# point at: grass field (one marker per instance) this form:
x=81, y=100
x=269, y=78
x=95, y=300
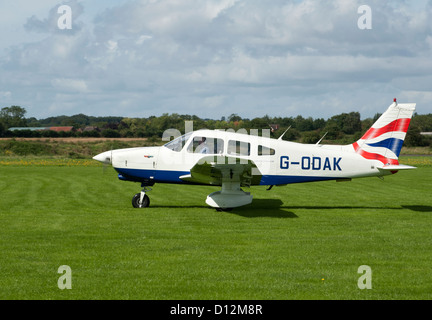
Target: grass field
x=302, y=241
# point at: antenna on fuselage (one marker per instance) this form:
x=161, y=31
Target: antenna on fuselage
x=321, y=138
x=280, y=138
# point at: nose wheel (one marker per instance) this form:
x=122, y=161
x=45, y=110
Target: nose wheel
x=141, y=200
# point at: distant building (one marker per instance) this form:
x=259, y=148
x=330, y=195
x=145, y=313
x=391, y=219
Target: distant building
x=60, y=129
x=274, y=127
x=90, y=128
x=28, y=128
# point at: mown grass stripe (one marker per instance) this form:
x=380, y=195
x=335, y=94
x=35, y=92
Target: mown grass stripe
x=279, y=247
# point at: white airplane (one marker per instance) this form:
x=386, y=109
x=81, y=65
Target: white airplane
x=235, y=160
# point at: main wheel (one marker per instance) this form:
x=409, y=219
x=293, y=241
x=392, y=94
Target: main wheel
x=136, y=201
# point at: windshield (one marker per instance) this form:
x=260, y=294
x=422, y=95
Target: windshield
x=178, y=143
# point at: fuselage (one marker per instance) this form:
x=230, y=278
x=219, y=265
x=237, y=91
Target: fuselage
x=277, y=162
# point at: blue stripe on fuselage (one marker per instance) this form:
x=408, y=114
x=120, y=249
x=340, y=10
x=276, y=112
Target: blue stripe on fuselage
x=268, y=180
x=168, y=176
x=164, y=176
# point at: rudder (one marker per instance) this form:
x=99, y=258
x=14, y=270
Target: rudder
x=384, y=140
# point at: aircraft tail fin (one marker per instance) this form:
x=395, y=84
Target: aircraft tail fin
x=384, y=140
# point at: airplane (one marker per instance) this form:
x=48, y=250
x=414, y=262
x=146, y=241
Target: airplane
x=233, y=160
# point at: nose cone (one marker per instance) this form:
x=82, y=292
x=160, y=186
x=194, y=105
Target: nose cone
x=104, y=157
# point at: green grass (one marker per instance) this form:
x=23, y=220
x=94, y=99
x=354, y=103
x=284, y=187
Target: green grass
x=302, y=241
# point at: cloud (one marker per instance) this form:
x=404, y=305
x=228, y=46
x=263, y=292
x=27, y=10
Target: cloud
x=70, y=85
x=5, y=95
x=215, y=58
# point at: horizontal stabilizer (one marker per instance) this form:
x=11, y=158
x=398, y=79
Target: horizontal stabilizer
x=396, y=167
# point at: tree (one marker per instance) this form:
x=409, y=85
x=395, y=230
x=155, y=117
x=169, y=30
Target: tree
x=259, y=123
x=2, y=129
x=13, y=117
x=234, y=117
x=333, y=131
x=348, y=123
x=414, y=138
x=303, y=124
x=311, y=137
x=423, y=122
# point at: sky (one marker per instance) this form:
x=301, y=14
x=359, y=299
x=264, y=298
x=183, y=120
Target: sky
x=138, y=58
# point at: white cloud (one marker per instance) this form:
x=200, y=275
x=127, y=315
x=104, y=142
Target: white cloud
x=214, y=101
x=71, y=85
x=215, y=58
x=5, y=95
x=420, y=97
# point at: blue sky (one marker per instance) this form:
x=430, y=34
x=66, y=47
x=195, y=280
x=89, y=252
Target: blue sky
x=214, y=58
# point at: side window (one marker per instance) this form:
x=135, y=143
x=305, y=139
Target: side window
x=265, y=151
x=206, y=145
x=238, y=148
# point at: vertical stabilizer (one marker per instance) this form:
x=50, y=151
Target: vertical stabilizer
x=384, y=140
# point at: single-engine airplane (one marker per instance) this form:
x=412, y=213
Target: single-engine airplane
x=234, y=160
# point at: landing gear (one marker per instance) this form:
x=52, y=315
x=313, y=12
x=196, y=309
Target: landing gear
x=141, y=200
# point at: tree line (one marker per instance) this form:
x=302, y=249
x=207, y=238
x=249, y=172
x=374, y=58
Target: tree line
x=342, y=128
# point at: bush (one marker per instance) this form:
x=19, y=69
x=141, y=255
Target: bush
x=110, y=133
x=92, y=134
x=311, y=137
x=25, y=148
x=49, y=134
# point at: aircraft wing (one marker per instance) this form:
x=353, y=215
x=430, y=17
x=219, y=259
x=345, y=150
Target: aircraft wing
x=215, y=170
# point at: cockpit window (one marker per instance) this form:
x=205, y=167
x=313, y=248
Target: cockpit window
x=206, y=145
x=178, y=143
x=265, y=151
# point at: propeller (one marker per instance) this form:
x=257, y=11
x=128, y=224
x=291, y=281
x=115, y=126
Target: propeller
x=105, y=158
x=108, y=161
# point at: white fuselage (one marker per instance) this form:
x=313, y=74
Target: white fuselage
x=277, y=162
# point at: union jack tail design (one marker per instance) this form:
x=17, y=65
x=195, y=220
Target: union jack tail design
x=384, y=140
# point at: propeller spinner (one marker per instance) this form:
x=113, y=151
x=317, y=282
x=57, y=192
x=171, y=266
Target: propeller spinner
x=104, y=157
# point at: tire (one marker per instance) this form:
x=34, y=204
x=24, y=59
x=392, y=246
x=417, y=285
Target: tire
x=136, y=199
